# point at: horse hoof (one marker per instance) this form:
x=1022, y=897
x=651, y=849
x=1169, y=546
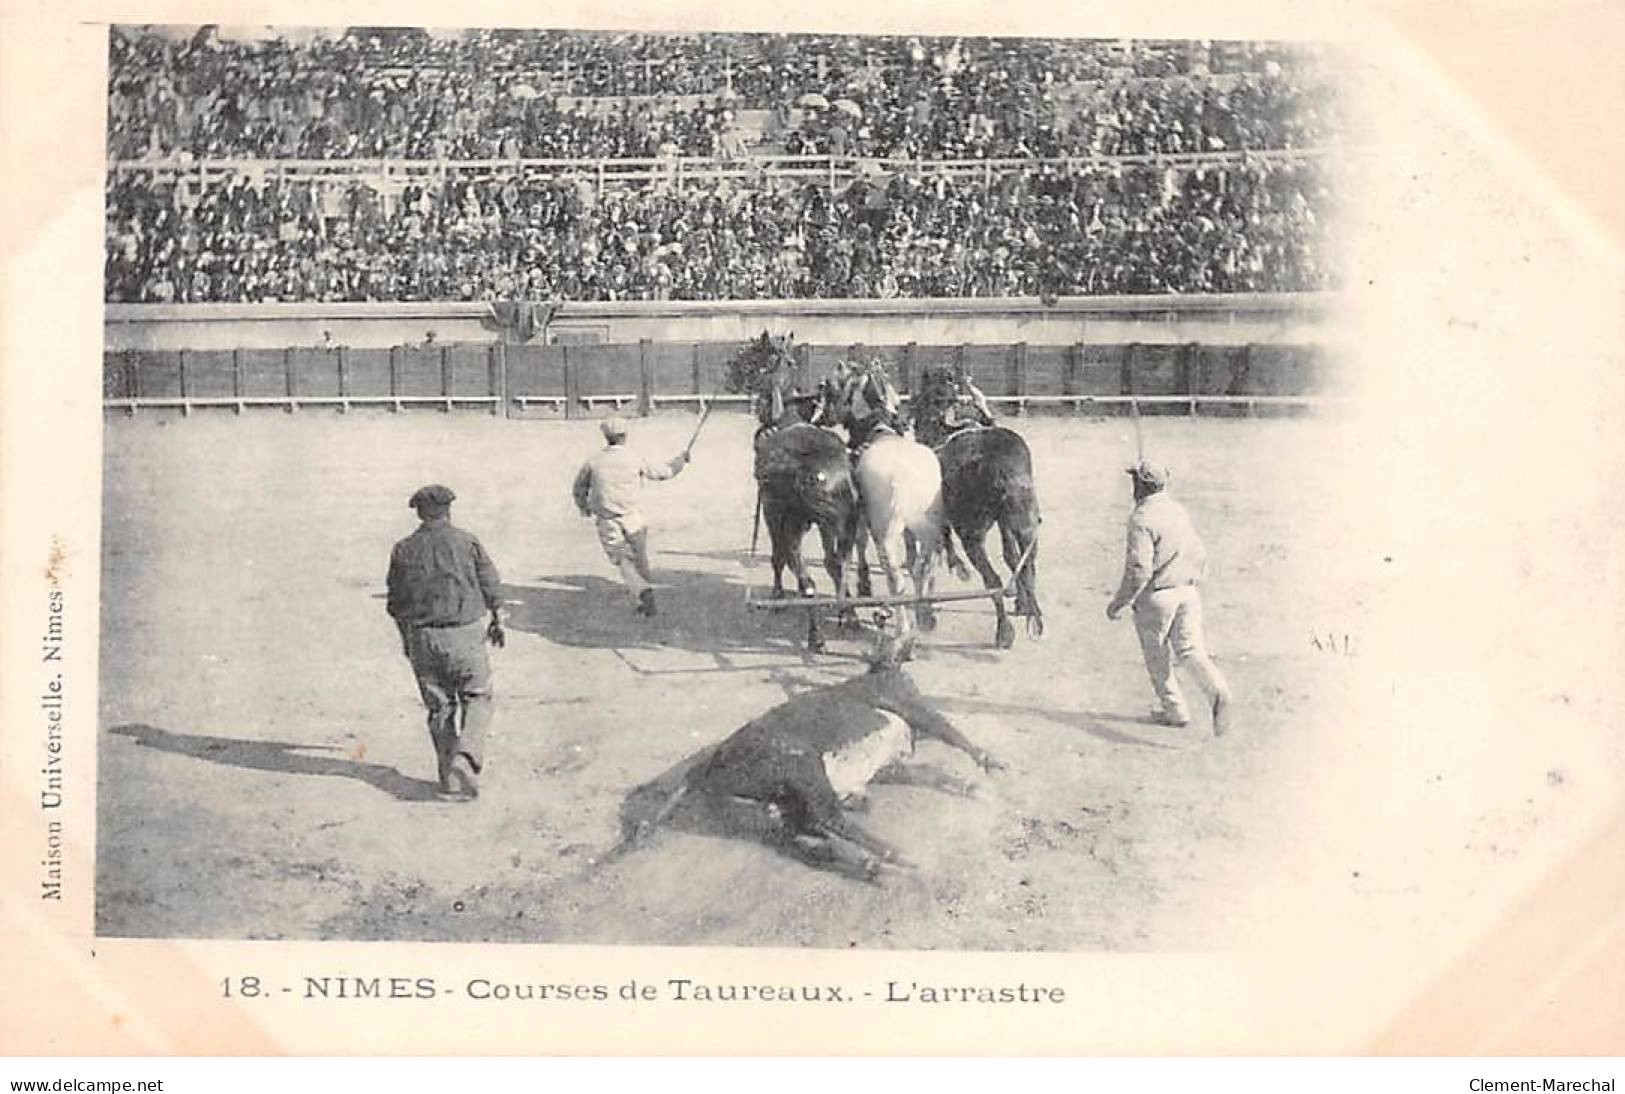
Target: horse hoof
x=1006, y=636
x=815, y=645
x=778, y=592
x=928, y=621
x=1035, y=626
x=961, y=571
x=808, y=588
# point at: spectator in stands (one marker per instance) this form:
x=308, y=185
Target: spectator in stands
x=242, y=232
x=492, y=94
x=1250, y=226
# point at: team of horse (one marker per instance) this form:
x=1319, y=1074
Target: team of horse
x=909, y=497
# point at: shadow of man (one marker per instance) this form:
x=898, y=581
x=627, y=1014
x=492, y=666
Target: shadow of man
x=279, y=756
x=1092, y=722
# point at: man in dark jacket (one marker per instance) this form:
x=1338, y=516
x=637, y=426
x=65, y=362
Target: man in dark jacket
x=441, y=584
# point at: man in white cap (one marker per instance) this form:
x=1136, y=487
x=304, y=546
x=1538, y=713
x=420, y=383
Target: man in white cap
x=1165, y=561
x=607, y=489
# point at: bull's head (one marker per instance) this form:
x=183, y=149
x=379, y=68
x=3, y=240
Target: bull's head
x=891, y=652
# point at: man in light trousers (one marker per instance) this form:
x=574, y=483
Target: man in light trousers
x=607, y=489
x=1165, y=563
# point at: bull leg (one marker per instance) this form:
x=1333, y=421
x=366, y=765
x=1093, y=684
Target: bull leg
x=850, y=831
x=975, y=546
x=784, y=825
x=825, y=851
x=816, y=826
x=768, y=823
x=926, y=722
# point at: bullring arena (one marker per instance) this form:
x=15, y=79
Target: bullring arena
x=263, y=767
x=262, y=731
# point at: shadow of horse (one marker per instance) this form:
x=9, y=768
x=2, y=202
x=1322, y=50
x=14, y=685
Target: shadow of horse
x=741, y=555
x=282, y=757
x=700, y=612
x=1092, y=722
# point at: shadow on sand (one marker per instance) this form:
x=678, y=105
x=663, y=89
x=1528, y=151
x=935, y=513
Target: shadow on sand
x=699, y=612
x=1091, y=722
x=742, y=556
x=279, y=756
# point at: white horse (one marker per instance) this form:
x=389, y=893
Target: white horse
x=901, y=485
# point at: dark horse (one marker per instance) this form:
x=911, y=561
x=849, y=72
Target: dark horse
x=987, y=479
x=804, y=480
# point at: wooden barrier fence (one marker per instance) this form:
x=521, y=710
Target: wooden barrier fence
x=575, y=381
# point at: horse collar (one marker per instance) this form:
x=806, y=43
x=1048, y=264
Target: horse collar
x=959, y=431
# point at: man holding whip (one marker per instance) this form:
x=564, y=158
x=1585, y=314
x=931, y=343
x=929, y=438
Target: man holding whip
x=607, y=489
x=1164, y=563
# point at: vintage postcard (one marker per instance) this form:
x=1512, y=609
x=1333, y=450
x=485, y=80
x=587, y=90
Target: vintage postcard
x=944, y=530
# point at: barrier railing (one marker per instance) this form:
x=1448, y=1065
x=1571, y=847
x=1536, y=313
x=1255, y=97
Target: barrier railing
x=396, y=174
x=574, y=381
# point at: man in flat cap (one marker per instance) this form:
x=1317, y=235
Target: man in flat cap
x=1164, y=564
x=607, y=489
x=441, y=584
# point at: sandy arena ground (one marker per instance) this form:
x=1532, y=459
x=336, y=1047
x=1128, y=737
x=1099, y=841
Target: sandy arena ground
x=264, y=771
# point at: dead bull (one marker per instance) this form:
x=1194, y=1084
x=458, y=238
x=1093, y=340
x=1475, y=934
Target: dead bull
x=798, y=766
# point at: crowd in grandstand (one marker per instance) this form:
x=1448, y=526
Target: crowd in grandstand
x=1241, y=228
x=497, y=95
x=244, y=233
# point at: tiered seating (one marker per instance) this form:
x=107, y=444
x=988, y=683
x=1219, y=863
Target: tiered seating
x=247, y=171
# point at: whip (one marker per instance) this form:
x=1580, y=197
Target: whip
x=1134, y=412
x=706, y=414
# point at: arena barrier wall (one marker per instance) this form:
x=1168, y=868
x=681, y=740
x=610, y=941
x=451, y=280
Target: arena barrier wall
x=1217, y=319
x=586, y=380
